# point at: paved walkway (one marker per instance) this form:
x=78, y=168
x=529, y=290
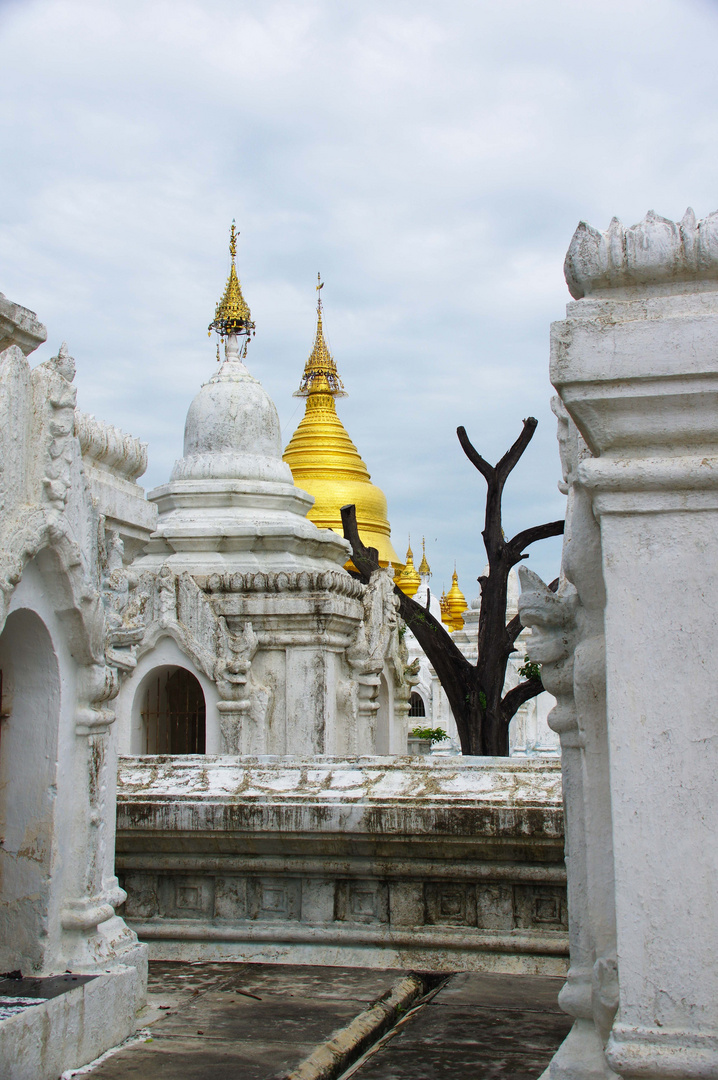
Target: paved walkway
x=261, y=1021
x=477, y=1027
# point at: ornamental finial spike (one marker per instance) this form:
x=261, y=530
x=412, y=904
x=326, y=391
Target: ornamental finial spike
x=320, y=372
x=232, y=317
x=424, y=568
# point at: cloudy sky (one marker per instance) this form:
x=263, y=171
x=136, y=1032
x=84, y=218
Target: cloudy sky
x=431, y=160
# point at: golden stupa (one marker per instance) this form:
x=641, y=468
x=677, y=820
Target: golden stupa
x=409, y=578
x=326, y=463
x=456, y=603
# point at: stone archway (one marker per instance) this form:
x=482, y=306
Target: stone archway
x=172, y=711
x=30, y=713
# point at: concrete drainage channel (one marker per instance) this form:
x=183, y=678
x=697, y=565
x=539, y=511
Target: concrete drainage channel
x=346, y=1051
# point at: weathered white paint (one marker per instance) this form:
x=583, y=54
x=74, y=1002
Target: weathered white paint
x=455, y=862
x=61, y=656
x=636, y=365
x=166, y=653
x=257, y=598
x=72, y=1029
x=29, y=853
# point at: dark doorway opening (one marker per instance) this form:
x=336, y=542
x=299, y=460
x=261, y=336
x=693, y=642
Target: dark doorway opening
x=416, y=705
x=174, y=713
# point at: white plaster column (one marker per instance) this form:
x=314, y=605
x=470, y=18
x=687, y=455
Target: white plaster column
x=636, y=364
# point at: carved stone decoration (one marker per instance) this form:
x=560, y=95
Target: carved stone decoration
x=635, y=364
x=176, y=607
x=51, y=580
x=241, y=702
x=656, y=251
x=335, y=581
x=379, y=649
x=567, y=640
x=110, y=448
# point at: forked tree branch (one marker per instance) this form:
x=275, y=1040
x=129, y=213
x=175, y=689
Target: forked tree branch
x=513, y=455
x=486, y=470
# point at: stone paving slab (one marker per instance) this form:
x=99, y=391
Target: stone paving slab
x=533, y=993
x=201, y=1059
x=228, y=1016
x=234, y=1021
x=436, y=1064
x=481, y=1027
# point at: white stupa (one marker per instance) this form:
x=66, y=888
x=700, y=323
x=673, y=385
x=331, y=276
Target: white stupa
x=231, y=502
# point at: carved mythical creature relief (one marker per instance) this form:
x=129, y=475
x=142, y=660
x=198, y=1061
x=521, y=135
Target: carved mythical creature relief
x=245, y=701
x=125, y=603
x=377, y=638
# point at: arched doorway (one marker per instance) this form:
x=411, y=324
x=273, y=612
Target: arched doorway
x=416, y=705
x=30, y=713
x=173, y=712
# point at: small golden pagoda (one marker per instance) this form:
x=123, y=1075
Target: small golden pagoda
x=408, y=579
x=456, y=603
x=445, y=613
x=326, y=463
x=424, y=568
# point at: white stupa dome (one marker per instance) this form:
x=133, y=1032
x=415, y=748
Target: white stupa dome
x=232, y=431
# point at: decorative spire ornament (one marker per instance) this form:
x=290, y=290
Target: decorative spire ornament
x=232, y=317
x=320, y=372
x=424, y=568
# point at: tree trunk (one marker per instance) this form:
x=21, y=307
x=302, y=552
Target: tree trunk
x=476, y=692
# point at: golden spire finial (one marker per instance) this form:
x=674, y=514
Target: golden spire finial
x=320, y=372
x=232, y=316
x=424, y=567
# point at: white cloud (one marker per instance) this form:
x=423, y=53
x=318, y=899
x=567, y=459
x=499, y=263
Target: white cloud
x=432, y=163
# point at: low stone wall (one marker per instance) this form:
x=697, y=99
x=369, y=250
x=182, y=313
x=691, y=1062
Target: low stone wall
x=430, y=863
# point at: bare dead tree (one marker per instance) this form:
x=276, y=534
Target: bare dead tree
x=475, y=691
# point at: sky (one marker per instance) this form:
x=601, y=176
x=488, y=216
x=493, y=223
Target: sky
x=430, y=160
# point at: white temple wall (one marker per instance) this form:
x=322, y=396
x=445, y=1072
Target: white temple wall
x=634, y=363
x=378, y=861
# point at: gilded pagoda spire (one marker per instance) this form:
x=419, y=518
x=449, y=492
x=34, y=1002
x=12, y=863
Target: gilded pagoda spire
x=320, y=372
x=324, y=460
x=424, y=568
x=232, y=317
